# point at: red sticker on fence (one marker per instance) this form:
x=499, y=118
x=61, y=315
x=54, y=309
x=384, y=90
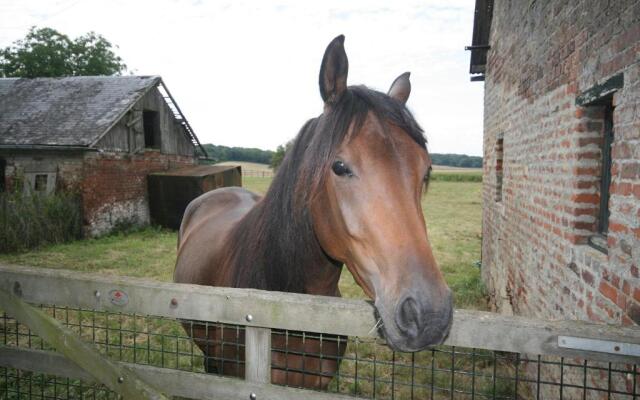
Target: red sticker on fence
x=118, y=297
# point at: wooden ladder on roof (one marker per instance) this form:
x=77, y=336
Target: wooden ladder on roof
x=179, y=116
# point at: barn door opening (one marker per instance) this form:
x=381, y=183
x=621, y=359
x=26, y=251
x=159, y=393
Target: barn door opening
x=151, y=125
x=3, y=168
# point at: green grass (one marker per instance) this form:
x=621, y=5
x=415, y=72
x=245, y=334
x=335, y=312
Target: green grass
x=452, y=210
x=453, y=213
x=147, y=253
x=457, y=175
x=257, y=185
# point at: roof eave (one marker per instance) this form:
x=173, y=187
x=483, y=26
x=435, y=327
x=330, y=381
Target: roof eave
x=483, y=14
x=50, y=147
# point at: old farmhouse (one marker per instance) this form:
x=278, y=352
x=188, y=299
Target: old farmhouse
x=97, y=136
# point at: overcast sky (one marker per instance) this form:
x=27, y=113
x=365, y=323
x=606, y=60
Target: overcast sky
x=245, y=73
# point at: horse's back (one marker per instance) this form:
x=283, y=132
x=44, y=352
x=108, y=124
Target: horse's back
x=207, y=221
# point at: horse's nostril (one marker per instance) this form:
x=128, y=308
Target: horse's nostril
x=420, y=321
x=408, y=317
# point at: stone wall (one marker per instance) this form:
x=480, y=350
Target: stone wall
x=64, y=168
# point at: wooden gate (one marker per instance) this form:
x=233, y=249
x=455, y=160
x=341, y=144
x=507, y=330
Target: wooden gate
x=124, y=333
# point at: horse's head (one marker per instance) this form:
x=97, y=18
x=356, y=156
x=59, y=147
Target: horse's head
x=366, y=203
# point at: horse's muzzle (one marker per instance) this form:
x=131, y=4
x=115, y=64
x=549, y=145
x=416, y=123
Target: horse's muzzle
x=420, y=321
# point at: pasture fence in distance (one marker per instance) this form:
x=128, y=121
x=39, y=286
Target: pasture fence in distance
x=258, y=173
x=143, y=326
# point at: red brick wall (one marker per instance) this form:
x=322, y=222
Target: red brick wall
x=114, y=186
x=536, y=262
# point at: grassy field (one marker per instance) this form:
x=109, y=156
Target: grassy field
x=453, y=213
x=452, y=210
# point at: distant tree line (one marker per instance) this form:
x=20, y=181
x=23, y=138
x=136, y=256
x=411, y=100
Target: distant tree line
x=456, y=160
x=274, y=158
x=224, y=153
x=450, y=160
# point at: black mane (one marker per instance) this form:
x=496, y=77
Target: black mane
x=271, y=246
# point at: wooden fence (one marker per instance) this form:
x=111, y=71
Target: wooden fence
x=258, y=173
x=271, y=310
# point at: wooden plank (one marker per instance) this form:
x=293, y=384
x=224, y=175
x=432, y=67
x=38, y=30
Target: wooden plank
x=492, y=331
x=172, y=382
x=46, y=362
x=258, y=355
x=87, y=357
x=203, y=303
x=290, y=311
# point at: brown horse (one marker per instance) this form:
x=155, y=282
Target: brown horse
x=348, y=192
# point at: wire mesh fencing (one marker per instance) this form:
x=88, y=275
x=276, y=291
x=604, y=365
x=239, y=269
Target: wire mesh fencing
x=360, y=367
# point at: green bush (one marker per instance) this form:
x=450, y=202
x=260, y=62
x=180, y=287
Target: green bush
x=455, y=176
x=34, y=219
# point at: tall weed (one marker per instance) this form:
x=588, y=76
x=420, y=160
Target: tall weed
x=29, y=220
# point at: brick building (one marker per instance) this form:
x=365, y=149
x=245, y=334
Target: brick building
x=561, y=195
x=98, y=136
x=561, y=225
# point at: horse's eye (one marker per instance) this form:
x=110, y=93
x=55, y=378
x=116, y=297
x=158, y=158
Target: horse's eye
x=340, y=168
x=427, y=176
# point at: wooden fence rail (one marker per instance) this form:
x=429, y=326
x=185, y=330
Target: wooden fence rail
x=258, y=173
x=472, y=329
x=172, y=382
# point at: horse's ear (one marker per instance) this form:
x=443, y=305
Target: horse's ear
x=333, y=71
x=401, y=88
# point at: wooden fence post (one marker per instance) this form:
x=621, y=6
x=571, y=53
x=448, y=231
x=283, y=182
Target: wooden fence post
x=257, y=355
x=123, y=381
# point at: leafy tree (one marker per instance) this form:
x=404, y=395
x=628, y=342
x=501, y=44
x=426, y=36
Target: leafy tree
x=93, y=56
x=46, y=52
x=278, y=156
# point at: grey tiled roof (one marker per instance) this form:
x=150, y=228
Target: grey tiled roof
x=71, y=111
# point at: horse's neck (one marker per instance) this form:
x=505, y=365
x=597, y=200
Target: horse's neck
x=320, y=275
x=324, y=280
